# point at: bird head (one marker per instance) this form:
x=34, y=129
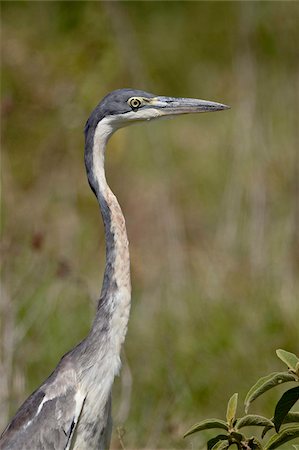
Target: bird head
x=127, y=106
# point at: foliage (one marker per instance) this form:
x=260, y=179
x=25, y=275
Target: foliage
x=282, y=414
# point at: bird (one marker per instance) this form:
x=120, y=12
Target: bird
x=72, y=407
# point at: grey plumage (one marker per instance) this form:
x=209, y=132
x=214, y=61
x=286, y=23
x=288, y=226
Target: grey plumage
x=31, y=433
x=72, y=408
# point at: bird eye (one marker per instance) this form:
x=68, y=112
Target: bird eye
x=134, y=102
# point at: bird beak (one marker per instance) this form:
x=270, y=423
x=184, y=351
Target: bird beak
x=168, y=106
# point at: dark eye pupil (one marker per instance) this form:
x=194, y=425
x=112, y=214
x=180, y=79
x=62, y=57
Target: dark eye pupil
x=135, y=103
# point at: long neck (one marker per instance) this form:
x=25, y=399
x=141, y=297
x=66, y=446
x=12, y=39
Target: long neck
x=113, y=309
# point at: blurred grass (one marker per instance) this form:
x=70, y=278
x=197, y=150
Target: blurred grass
x=211, y=202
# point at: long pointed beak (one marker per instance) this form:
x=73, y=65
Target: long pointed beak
x=169, y=106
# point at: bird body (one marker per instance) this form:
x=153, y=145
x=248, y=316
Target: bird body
x=72, y=408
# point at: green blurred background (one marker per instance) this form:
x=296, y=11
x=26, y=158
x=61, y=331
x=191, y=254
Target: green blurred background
x=211, y=202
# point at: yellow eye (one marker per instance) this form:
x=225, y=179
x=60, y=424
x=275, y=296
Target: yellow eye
x=134, y=102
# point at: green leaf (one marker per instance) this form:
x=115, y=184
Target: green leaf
x=265, y=430
x=214, y=440
x=296, y=447
x=221, y=445
x=266, y=383
x=253, y=420
x=290, y=359
x=237, y=437
x=291, y=417
x=207, y=424
x=278, y=439
x=231, y=409
x=286, y=402
x=254, y=443
x=297, y=369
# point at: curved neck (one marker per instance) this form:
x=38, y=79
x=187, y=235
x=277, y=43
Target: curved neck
x=114, y=304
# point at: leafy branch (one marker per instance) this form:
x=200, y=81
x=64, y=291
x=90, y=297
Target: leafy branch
x=232, y=434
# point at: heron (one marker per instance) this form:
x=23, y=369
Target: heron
x=72, y=407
